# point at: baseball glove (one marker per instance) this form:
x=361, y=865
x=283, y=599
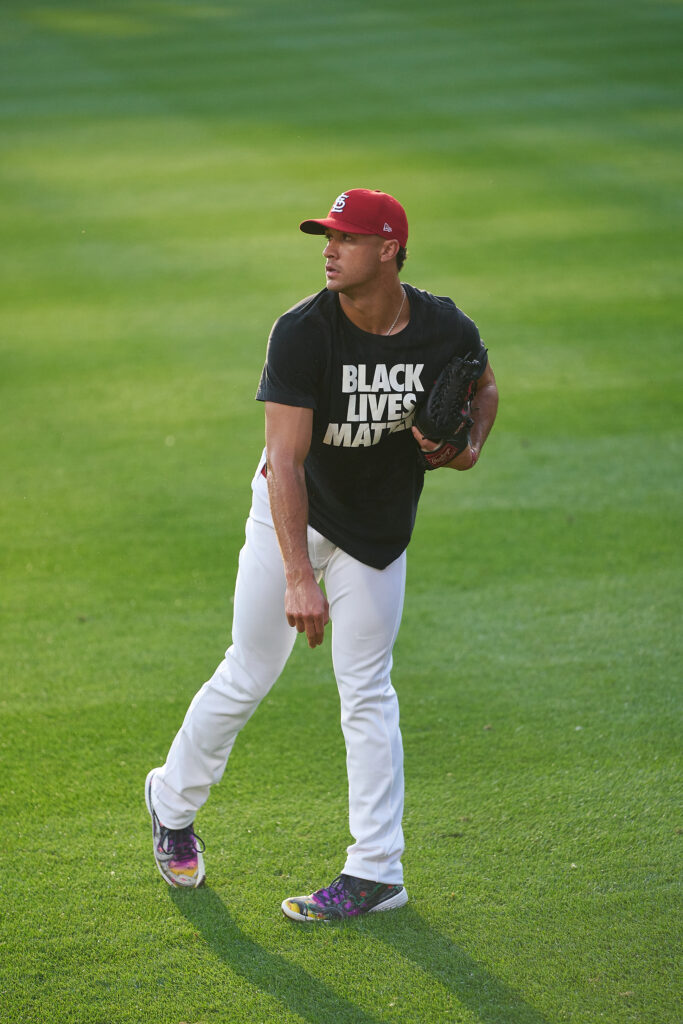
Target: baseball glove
x=445, y=415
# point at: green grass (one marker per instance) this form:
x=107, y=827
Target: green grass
x=156, y=159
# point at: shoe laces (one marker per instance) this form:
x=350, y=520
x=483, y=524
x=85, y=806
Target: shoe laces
x=182, y=843
x=336, y=887
x=343, y=887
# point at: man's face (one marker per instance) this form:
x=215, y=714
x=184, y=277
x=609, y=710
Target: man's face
x=351, y=261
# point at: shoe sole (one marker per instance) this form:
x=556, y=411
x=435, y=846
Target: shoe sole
x=148, y=802
x=393, y=903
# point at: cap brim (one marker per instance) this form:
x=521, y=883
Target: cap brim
x=319, y=227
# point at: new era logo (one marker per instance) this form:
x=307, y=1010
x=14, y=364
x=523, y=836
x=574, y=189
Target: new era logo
x=387, y=227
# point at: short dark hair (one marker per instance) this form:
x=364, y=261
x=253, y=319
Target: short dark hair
x=401, y=256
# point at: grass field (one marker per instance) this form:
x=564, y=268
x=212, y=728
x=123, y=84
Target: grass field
x=156, y=160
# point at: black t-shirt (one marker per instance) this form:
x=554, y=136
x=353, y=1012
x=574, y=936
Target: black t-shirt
x=364, y=475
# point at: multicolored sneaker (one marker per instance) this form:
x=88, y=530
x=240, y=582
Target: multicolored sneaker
x=346, y=896
x=177, y=851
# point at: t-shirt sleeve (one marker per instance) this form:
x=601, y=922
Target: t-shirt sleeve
x=470, y=344
x=459, y=334
x=291, y=374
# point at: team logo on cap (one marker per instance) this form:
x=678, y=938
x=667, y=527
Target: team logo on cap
x=340, y=203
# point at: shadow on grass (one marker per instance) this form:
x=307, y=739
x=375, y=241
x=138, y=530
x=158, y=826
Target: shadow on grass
x=492, y=1001
x=294, y=987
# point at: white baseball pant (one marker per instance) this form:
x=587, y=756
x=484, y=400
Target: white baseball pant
x=365, y=611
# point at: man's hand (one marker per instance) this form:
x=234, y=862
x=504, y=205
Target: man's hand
x=306, y=608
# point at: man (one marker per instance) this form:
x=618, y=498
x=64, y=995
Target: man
x=334, y=501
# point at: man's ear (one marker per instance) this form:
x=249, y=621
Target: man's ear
x=389, y=249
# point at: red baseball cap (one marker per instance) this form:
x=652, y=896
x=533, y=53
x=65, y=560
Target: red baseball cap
x=363, y=211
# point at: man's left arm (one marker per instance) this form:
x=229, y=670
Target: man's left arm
x=483, y=412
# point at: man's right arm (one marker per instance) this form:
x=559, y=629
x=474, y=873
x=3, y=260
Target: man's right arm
x=288, y=439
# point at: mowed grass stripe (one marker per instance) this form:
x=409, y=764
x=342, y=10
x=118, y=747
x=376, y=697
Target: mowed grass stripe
x=525, y=57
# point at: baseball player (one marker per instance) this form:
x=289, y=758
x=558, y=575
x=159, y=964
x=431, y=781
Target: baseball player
x=334, y=499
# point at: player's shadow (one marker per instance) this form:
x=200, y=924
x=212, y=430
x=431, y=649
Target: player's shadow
x=473, y=985
x=295, y=988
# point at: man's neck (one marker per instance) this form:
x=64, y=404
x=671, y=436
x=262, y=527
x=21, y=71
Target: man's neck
x=384, y=311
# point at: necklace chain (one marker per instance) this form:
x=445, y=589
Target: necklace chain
x=400, y=310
